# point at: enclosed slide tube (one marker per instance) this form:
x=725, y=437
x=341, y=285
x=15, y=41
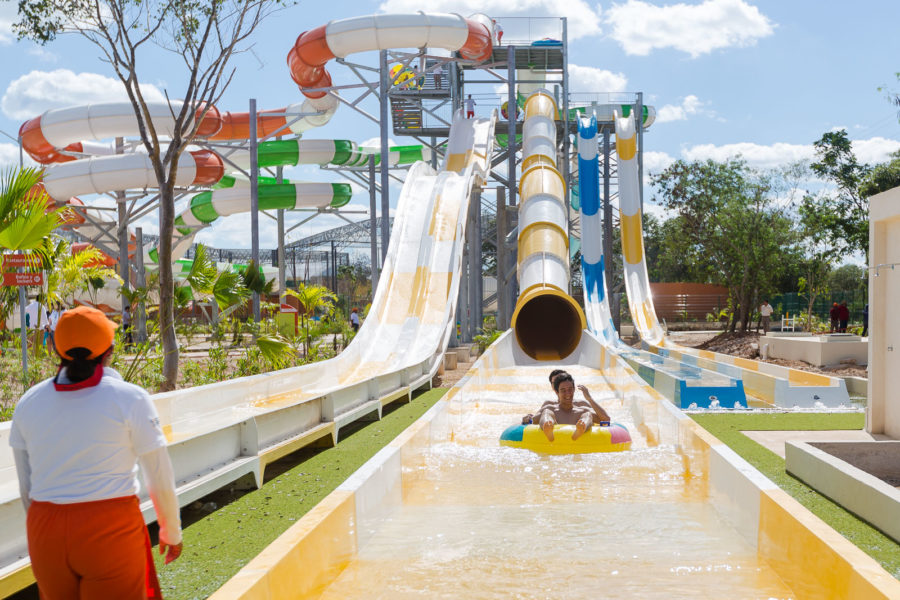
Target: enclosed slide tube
x=688, y=386
x=55, y=136
x=547, y=321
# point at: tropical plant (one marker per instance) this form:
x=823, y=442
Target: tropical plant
x=312, y=298
x=70, y=275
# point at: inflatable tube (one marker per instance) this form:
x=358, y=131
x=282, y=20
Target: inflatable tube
x=601, y=438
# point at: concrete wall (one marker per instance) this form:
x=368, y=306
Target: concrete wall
x=816, y=350
x=883, y=412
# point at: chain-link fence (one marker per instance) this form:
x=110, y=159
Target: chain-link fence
x=793, y=304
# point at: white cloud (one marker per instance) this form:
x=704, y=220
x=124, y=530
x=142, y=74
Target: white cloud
x=875, y=150
x=38, y=91
x=375, y=142
x=869, y=151
x=592, y=79
x=641, y=27
x=690, y=105
x=9, y=155
x=654, y=162
x=756, y=155
x=583, y=19
x=43, y=54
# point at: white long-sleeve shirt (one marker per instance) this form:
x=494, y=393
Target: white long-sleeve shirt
x=84, y=445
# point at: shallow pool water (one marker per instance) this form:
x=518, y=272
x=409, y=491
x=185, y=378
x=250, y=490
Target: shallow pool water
x=478, y=520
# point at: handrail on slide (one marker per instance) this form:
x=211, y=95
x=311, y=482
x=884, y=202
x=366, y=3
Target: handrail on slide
x=547, y=321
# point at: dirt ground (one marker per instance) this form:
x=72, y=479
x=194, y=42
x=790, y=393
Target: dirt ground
x=746, y=345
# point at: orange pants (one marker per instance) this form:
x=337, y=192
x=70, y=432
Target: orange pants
x=91, y=550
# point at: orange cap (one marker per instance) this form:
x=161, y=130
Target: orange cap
x=84, y=327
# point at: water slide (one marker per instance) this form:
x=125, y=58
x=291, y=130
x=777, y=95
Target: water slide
x=688, y=386
x=445, y=511
x=76, y=166
x=765, y=383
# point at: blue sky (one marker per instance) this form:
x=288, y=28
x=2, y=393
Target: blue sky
x=761, y=78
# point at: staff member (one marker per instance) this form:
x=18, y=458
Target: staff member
x=77, y=439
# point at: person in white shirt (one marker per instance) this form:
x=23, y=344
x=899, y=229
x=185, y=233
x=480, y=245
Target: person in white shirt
x=498, y=31
x=765, y=312
x=470, y=107
x=77, y=439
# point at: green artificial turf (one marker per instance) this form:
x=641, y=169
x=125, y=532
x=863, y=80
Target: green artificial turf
x=218, y=545
x=728, y=427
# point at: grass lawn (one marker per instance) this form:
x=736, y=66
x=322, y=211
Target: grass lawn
x=217, y=545
x=728, y=427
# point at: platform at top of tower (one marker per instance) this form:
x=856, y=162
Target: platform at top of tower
x=544, y=57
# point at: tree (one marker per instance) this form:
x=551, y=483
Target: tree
x=670, y=254
x=849, y=278
x=882, y=177
x=818, y=255
x=27, y=216
x=844, y=213
x=312, y=298
x=202, y=35
x=70, y=275
x=730, y=217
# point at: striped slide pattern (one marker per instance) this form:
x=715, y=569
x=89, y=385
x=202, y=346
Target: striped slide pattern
x=686, y=386
x=772, y=384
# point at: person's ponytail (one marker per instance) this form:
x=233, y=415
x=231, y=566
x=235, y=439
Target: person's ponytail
x=80, y=367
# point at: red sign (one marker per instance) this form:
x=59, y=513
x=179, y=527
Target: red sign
x=11, y=261
x=23, y=278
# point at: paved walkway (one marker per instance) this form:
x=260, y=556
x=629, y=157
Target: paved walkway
x=774, y=440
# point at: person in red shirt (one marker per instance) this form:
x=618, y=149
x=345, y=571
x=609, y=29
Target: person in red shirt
x=833, y=313
x=843, y=316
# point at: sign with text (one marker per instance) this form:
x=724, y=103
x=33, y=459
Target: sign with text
x=13, y=261
x=23, y=279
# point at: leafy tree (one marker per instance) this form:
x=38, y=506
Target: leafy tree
x=731, y=218
x=354, y=279
x=882, y=177
x=818, y=255
x=844, y=213
x=203, y=35
x=849, y=278
x=670, y=254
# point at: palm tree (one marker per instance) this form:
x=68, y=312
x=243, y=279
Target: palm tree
x=226, y=288
x=312, y=298
x=27, y=215
x=70, y=275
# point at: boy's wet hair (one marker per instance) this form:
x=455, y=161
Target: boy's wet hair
x=560, y=379
x=554, y=373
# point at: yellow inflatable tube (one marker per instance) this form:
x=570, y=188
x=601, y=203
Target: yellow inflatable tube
x=610, y=437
